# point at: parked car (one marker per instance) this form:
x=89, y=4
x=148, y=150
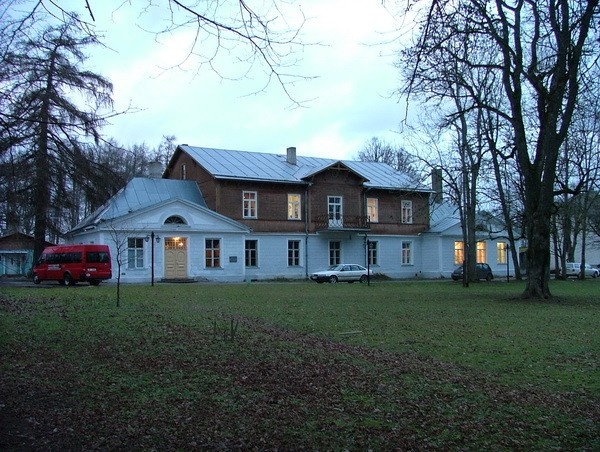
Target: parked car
x=343, y=273
x=484, y=271
x=574, y=269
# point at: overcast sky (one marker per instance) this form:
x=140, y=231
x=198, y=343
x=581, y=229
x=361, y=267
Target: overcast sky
x=349, y=102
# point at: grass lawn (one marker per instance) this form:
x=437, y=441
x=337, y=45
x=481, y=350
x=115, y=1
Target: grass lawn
x=300, y=366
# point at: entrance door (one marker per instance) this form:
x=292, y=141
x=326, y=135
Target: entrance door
x=335, y=211
x=176, y=258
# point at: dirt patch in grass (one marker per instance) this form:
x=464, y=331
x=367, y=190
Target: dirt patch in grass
x=268, y=388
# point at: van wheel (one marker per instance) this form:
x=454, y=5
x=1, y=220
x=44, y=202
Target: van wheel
x=36, y=279
x=68, y=280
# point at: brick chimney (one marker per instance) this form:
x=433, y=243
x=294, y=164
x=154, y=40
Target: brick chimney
x=155, y=170
x=291, y=155
x=436, y=184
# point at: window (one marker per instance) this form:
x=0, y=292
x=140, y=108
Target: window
x=335, y=252
x=481, y=253
x=373, y=209
x=250, y=201
x=293, y=253
x=406, y=253
x=175, y=219
x=294, y=207
x=372, y=252
x=213, y=253
x=334, y=206
x=251, y=259
x=501, y=252
x=183, y=172
x=459, y=253
x=135, y=252
x=407, y=213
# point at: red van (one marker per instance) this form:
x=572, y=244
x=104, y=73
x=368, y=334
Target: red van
x=69, y=264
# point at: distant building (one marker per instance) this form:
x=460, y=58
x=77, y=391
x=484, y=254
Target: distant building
x=16, y=254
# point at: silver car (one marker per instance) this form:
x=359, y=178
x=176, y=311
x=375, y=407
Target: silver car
x=342, y=273
x=574, y=269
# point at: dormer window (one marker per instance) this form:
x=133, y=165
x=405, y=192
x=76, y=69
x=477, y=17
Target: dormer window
x=175, y=219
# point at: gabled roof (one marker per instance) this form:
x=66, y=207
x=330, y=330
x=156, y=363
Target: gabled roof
x=141, y=193
x=266, y=167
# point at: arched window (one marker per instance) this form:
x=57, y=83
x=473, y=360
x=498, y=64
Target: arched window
x=175, y=219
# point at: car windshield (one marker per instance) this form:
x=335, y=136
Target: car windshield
x=334, y=267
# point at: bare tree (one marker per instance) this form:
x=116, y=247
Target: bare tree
x=378, y=150
x=538, y=53
x=260, y=35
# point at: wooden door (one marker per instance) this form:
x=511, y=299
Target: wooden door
x=175, y=258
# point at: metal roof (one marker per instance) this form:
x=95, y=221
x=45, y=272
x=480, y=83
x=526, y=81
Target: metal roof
x=443, y=216
x=262, y=166
x=143, y=192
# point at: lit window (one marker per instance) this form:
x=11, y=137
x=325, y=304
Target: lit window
x=407, y=212
x=502, y=253
x=293, y=253
x=459, y=253
x=183, y=172
x=294, y=207
x=250, y=202
x=213, y=253
x=372, y=252
x=373, y=209
x=135, y=253
x=481, y=253
x=406, y=253
x=251, y=253
x=335, y=252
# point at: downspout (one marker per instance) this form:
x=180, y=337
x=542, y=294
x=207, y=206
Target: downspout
x=306, y=210
x=366, y=248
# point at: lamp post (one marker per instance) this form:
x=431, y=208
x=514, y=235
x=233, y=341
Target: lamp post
x=370, y=246
x=152, y=258
x=152, y=238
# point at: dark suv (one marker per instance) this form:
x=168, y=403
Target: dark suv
x=484, y=271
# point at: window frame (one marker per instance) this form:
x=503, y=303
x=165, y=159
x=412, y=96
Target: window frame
x=459, y=252
x=501, y=253
x=294, y=206
x=250, y=204
x=481, y=253
x=406, y=211
x=373, y=204
x=406, y=252
x=373, y=252
x=212, y=254
x=335, y=252
x=133, y=262
x=293, y=253
x=251, y=254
